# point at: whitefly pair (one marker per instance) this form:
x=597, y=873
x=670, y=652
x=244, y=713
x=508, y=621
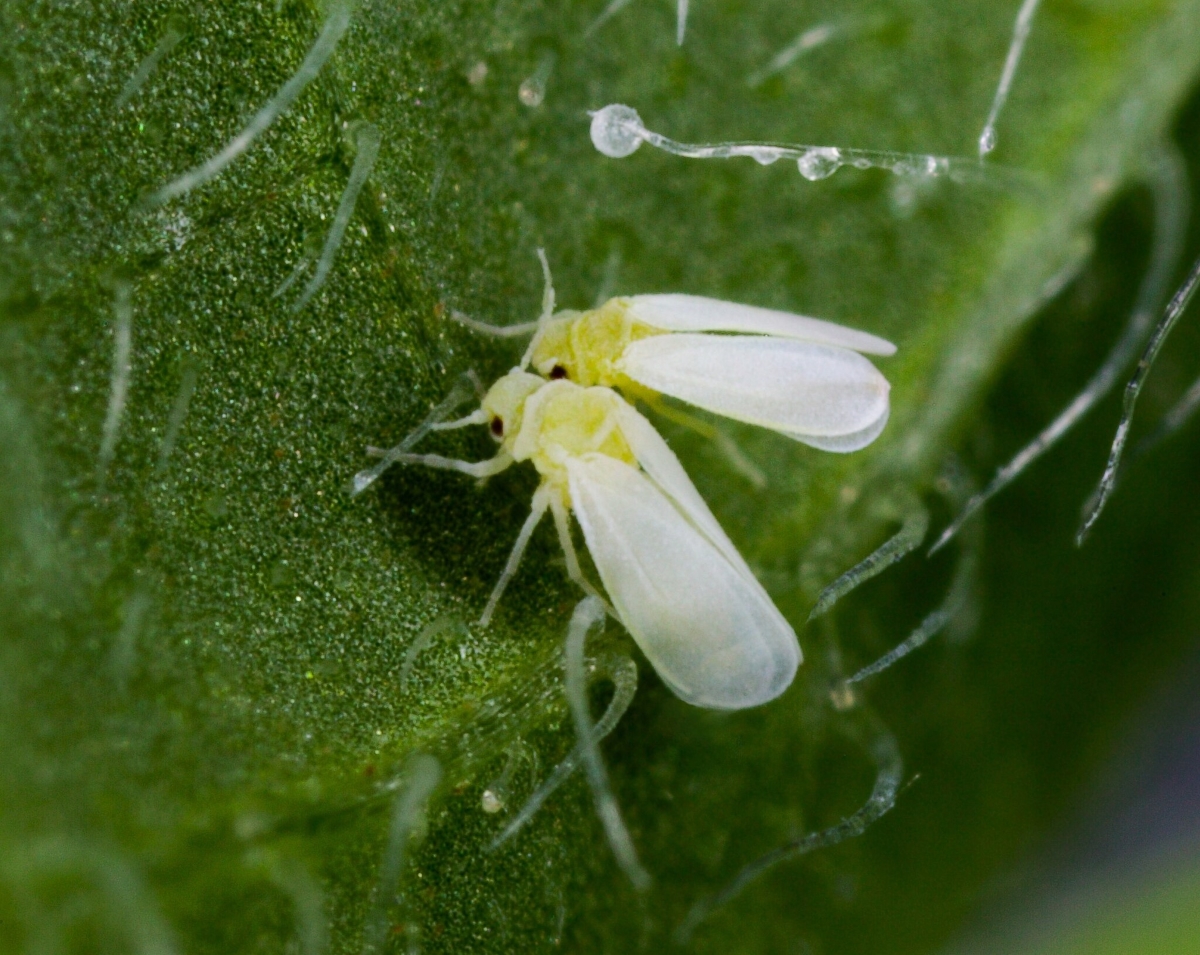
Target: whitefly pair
x=674, y=579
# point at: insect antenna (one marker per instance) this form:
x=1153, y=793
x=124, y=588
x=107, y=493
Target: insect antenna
x=463, y=389
x=496, y=331
x=547, y=308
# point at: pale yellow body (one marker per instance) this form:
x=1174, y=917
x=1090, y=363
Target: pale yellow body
x=586, y=347
x=547, y=422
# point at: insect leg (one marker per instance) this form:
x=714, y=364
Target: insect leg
x=461, y=391
x=541, y=501
x=725, y=444
x=562, y=524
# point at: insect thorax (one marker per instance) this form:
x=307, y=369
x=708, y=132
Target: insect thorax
x=563, y=420
x=586, y=347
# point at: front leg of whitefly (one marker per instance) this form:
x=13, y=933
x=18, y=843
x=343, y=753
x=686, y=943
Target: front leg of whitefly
x=541, y=501
x=466, y=385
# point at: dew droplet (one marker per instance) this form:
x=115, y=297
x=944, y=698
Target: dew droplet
x=616, y=130
x=531, y=92
x=763, y=155
x=987, y=141
x=821, y=162
x=478, y=73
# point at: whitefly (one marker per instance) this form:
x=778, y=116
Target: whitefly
x=802, y=377
x=672, y=576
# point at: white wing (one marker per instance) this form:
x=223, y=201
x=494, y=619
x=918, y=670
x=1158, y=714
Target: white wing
x=694, y=313
x=659, y=461
x=809, y=392
x=710, y=630
x=845, y=443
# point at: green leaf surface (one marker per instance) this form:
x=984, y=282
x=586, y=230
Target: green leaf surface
x=207, y=693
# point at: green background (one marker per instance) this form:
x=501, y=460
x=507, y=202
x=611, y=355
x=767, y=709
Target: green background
x=202, y=722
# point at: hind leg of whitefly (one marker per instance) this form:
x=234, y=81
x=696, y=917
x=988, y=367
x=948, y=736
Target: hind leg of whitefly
x=562, y=524
x=730, y=450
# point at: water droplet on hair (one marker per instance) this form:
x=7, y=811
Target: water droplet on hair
x=819, y=163
x=531, y=92
x=615, y=130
